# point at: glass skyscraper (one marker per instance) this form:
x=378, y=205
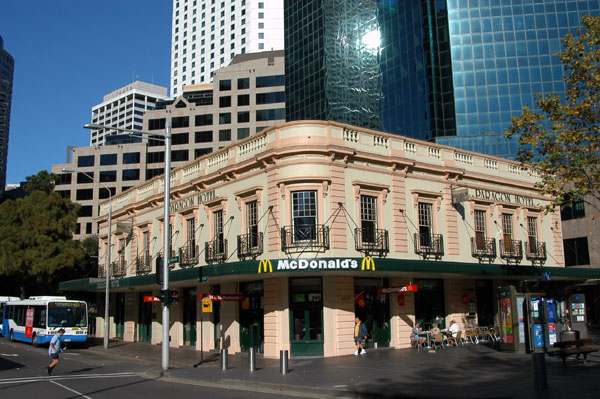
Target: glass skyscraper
x=450, y=71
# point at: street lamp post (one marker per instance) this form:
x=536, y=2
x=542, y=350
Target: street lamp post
x=107, y=268
x=167, y=234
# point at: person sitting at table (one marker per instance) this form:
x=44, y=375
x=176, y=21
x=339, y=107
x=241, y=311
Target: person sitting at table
x=453, y=328
x=415, y=338
x=434, y=330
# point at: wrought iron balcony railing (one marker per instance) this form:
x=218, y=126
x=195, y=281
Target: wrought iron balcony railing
x=372, y=241
x=536, y=251
x=511, y=250
x=305, y=238
x=429, y=245
x=119, y=269
x=249, y=245
x=101, y=272
x=216, y=251
x=143, y=264
x=483, y=248
x=188, y=255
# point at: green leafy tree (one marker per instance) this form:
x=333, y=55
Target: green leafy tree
x=562, y=141
x=36, y=237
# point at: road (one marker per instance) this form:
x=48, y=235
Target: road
x=82, y=373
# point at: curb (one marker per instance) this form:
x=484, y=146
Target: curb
x=245, y=385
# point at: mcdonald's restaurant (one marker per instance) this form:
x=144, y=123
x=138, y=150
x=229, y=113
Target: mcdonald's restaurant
x=279, y=240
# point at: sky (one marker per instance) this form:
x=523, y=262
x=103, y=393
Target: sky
x=68, y=55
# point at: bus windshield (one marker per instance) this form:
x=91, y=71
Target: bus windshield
x=66, y=314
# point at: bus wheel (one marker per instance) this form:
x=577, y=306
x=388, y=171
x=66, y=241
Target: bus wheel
x=34, y=340
x=11, y=338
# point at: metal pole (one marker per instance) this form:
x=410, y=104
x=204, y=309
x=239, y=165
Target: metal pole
x=252, y=359
x=224, y=360
x=167, y=241
x=283, y=361
x=201, y=338
x=107, y=277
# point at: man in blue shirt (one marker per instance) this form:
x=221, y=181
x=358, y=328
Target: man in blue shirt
x=54, y=349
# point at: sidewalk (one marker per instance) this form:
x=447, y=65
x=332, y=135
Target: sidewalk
x=470, y=371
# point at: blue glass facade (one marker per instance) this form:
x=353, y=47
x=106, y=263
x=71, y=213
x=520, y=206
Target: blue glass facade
x=453, y=71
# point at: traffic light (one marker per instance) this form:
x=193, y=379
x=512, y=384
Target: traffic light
x=159, y=270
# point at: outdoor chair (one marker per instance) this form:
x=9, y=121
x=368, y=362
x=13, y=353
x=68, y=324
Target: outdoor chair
x=471, y=336
x=455, y=340
x=438, y=341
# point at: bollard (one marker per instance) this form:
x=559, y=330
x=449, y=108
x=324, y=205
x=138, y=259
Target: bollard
x=538, y=363
x=283, y=361
x=224, y=359
x=252, y=359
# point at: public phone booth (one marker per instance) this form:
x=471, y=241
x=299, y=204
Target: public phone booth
x=528, y=321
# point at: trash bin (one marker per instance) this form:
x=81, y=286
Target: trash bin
x=569, y=335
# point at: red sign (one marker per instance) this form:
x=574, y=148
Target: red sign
x=222, y=297
x=402, y=288
x=29, y=323
x=401, y=301
x=151, y=299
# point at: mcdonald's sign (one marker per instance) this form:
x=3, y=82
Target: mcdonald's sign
x=368, y=263
x=265, y=266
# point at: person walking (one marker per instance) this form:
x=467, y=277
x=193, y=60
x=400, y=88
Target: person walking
x=360, y=336
x=54, y=349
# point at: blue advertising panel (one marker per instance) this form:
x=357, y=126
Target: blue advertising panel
x=538, y=335
x=551, y=306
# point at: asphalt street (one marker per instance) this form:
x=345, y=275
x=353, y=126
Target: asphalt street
x=82, y=373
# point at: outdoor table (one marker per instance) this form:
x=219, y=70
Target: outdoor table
x=427, y=335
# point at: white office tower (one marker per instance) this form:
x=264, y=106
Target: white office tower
x=125, y=108
x=207, y=34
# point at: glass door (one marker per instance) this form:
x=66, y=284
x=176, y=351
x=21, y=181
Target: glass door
x=145, y=318
x=373, y=309
x=252, y=315
x=120, y=316
x=189, y=316
x=306, y=316
x=429, y=303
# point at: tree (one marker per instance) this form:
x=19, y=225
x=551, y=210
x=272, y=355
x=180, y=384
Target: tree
x=562, y=141
x=36, y=237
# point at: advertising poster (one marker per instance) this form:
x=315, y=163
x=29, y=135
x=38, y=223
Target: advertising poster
x=551, y=306
x=521, y=317
x=551, y=334
x=506, y=320
x=29, y=323
x=538, y=335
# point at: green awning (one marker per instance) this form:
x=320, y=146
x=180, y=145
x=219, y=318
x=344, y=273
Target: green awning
x=355, y=266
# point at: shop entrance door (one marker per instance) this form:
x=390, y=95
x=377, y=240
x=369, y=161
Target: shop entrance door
x=120, y=316
x=144, y=318
x=252, y=315
x=485, y=303
x=306, y=316
x=429, y=303
x=189, y=316
x=373, y=309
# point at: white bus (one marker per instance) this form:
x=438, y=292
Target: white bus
x=37, y=319
x=3, y=300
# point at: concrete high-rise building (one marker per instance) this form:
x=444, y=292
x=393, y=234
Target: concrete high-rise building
x=452, y=71
x=7, y=64
x=125, y=108
x=207, y=34
x=244, y=98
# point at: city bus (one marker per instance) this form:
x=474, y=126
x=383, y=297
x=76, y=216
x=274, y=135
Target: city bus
x=37, y=319
x=3, y=300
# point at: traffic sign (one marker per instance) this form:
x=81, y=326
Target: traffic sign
x=174, y=259
x=206, y=305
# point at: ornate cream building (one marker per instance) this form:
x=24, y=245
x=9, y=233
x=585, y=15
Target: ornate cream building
x=303, y=225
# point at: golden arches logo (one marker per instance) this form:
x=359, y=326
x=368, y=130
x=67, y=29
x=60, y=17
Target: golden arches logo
x=368, y=263
x=265, y=266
